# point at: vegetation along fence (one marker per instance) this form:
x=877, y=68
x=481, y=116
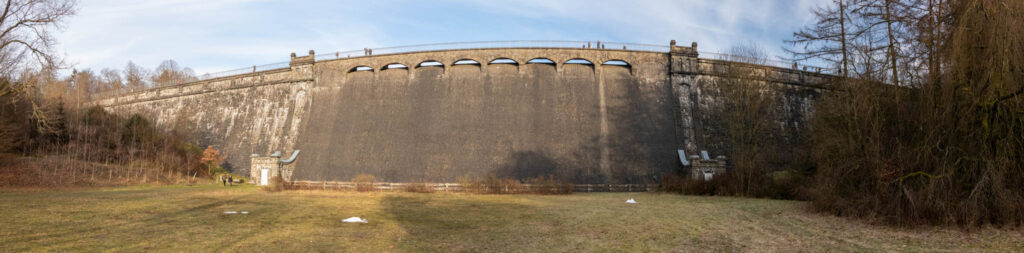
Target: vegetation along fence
x=457, y=187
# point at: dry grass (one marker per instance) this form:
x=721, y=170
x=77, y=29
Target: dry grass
x=183, y=218
x=63, y=172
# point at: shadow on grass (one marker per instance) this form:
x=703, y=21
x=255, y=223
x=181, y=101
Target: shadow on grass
x=462, y=223
x=132, y=224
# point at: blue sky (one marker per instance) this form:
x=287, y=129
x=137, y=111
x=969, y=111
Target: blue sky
x=215, y=35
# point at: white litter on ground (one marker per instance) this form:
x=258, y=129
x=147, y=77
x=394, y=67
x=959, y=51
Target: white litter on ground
x=245, y=212
x=355, y=220
x=631, y=201
x=230, y=212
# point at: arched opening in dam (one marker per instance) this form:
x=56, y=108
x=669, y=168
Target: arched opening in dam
x=616, y=63
x=466, y=62
x=394, y=66
x=540, y=60
x=579, y=61
x=360, y=68
x=504, y=61
x=430, y=63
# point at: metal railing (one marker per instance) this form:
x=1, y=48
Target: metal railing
x=810, y=66
x=246, y=70
x=801, y=65
x=491, y=44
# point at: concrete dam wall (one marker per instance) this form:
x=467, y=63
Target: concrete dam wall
x=440, y=115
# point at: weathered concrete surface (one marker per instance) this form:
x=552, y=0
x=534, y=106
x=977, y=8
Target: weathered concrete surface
x=526, y=120
x=240, y=115
x=697, y=87
x=587, y=123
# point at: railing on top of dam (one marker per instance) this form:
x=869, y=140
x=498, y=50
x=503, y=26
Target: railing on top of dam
x=805, y=65
x=492, y=44
x=447, y=46
x=245, y=70
x=595, y=45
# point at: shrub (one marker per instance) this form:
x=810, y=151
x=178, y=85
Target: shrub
x=277, y=184
x=419, y=187
x=470, y=184
x=672, y=183
x=364, y=182
x=496, y=185
x=493, y=184
x=549, y=185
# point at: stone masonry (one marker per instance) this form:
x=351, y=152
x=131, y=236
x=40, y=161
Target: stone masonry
x=589, y=123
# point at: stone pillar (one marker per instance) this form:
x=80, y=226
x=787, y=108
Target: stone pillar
x=683, y=67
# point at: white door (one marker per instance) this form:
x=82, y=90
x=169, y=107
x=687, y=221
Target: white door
x=264, y=176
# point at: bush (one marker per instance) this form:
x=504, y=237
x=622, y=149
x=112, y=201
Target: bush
x=549, y=185
x=470, y=184
x=673, y=183
x=277, y=184
x=493, y=184
x=880, y=154
x=364, y=182
x=418, y=187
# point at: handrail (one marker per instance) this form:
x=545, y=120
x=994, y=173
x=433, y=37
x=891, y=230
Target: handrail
x=497, y=45
x=245, y=70
x=796, y=65
x=491, y=44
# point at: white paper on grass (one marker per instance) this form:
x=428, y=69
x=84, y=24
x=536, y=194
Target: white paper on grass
x=631, y=201
x=244, y=212
x=230, y=212
x=355, y=220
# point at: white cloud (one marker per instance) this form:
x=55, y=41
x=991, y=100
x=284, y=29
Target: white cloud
x=715, y=25
x=208, y=35
x=215, y=35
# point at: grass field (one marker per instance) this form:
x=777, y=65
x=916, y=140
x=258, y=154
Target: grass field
x=191, y=218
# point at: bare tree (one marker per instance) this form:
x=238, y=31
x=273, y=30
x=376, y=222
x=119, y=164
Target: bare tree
x=26, y=44
x=748, y=118
x=135, y=76
x=170, y=73
x=112, y=81
x=25, y=36
x=827, y=38
x=946, y=145
x=84, y=85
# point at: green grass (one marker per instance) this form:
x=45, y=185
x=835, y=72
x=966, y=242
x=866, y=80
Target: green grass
x=190, y=218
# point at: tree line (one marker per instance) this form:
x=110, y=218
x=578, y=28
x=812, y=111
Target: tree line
x=45, y=117
x=924, y=123
x=87, y=84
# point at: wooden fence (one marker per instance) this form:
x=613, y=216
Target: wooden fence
x=456, y=187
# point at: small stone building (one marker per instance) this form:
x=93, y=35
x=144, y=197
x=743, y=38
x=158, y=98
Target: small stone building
x=702, y=167
x=707, y=169
x=264, y=168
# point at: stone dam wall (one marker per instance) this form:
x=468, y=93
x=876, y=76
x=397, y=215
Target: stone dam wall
x=517, y=117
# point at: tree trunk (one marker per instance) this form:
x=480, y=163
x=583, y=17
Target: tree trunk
x=842, y=35
x=892, y=43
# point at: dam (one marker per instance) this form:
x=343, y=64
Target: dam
x=578, y=111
